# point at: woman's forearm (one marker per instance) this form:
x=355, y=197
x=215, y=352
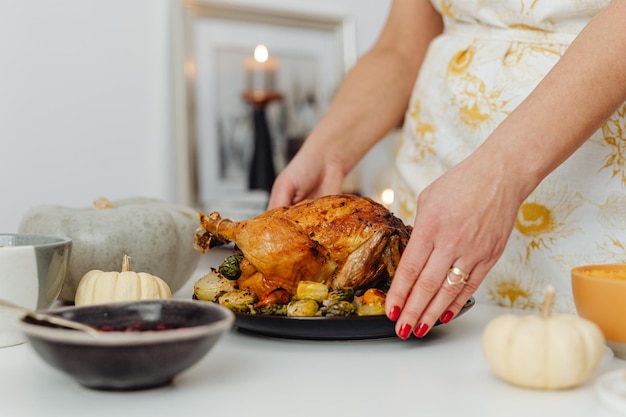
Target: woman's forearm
x=584, y=88
x=374, y=95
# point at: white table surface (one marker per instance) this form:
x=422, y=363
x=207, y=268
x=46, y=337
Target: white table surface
x=443, y=374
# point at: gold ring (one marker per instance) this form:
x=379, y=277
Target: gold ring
x=456, y=271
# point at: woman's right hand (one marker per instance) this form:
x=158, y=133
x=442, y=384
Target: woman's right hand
x=306, y=176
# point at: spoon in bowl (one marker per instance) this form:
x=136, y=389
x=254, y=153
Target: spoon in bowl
x=49, y=318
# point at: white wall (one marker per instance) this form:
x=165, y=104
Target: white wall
x=86, y=97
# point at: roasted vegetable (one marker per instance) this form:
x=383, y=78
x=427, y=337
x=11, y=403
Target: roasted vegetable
x=230, y=267
x=373, y=295
x=239, y=301
x=278, y=296
x=303, y=308
x=312, y=299
x=339, y=294
x=272, y=310
x=312, y=290
x=340, y=308
x=370, y=310
x=371, y=303
x=210, y=286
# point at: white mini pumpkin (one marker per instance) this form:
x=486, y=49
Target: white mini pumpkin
x=98, y=287
x=543, y=352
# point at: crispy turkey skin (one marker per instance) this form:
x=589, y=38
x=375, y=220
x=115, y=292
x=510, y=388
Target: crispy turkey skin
x=344, y=241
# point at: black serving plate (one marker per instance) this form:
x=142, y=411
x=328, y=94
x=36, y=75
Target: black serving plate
x=323, y=328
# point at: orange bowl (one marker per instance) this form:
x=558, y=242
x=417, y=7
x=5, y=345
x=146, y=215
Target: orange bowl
x=600, y=296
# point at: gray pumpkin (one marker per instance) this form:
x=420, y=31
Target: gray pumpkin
x=158, y=237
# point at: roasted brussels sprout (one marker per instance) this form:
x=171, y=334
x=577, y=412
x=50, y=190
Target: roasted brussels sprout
x=311, y=290
x=272, y=310
x=239, y=301
x=210, y=286
x=303, y=308
x=340, y=308
x=230, y=267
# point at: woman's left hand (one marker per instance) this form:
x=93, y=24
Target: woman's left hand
x=464, y=218
x=463, y=221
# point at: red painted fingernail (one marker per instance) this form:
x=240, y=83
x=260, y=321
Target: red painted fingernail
x=421, y=330
x=394, y=313
x=405, y=331
x=446, y=316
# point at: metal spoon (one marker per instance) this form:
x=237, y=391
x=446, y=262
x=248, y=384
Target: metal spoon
x=49, y=318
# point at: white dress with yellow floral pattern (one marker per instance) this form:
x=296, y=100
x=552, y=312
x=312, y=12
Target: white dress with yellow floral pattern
x=491, y=55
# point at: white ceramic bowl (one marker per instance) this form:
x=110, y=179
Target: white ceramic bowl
x=32, y=272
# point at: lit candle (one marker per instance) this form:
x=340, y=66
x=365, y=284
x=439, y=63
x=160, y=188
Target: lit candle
x=261, y=70
x=387, y=196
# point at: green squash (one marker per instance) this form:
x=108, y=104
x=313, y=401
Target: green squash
x=157, y=235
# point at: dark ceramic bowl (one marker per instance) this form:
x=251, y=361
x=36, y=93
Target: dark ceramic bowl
x=143, y=344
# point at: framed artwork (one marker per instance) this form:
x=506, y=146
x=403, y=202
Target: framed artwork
x=215, y=45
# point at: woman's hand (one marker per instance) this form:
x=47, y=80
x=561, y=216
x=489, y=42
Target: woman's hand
x=369, y=103
x=463, y=222
x=465, y=217
x=306, y=176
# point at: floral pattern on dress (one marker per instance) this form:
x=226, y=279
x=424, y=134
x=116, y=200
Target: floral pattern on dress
x=489, y=58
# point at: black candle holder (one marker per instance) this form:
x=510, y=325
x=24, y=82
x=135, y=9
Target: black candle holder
x=261, y=174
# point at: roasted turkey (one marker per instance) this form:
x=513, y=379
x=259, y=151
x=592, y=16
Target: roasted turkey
x=344, y=241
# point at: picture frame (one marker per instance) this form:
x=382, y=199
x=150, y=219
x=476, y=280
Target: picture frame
x=210, y=42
